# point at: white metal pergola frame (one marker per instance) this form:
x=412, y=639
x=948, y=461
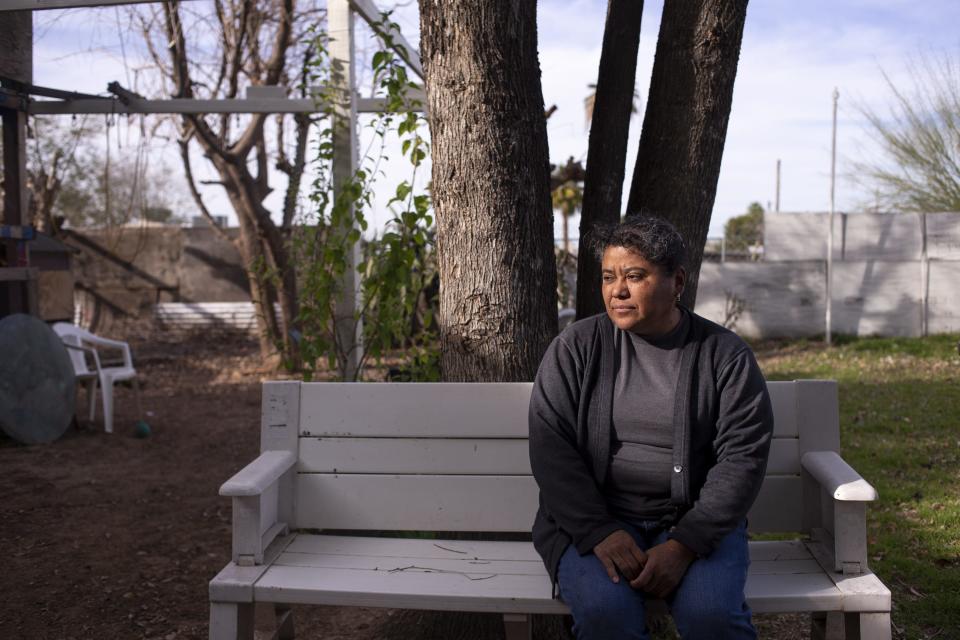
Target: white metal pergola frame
x=340, y=19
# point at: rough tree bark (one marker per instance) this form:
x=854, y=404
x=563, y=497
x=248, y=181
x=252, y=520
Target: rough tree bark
x=685, y=125
x=491, y=194
x=491, y=188
x=607, y=150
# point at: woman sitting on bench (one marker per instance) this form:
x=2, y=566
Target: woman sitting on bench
x=649, y=433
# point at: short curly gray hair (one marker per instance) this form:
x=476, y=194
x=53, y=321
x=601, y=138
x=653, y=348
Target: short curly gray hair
x=655, y=239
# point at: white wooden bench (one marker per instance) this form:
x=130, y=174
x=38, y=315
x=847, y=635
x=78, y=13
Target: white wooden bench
x=342, y=457
x=186, y=316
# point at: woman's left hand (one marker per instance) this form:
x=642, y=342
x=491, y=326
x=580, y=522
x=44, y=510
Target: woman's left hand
x=666, y=564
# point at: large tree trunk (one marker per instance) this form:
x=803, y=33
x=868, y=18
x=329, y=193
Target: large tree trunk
x=491, y=188
x=685, y=125
x=607, y=150
x=491, y=194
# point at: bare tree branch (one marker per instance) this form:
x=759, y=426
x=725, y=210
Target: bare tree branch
x=184, y=144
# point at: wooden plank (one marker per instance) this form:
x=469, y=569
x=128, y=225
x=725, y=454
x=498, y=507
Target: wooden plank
x=466, y=566
x=395, y=502
x=459, y=591
x=458, y=456
x=495, y=410
x=796, y=592
x=477, y=568
x=421, y=548
x=280, y=416
x=783, y=396
x=862, y=592
x=235, y=583
x=769, y=550
x=818, y=415
x=415, y=410
x=405, y=590
x=777, y=508
x=784, y=457
x=415, y=455
x=784, y=567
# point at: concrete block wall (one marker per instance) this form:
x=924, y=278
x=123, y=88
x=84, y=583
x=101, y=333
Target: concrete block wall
x=861, y=236
x=122, y=273
x=882, y=284
x=870, y=297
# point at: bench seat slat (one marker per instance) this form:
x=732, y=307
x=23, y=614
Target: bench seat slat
x=399, y=563
x=486, y=567
x=414, y=547
x=408, y=590
x=429, y=574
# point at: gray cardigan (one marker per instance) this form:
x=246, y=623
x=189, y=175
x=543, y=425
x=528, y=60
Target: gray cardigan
x=723, y=425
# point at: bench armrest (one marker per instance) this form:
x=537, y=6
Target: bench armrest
x=262, y=502
x=839, y=496
x=257, y=476
x=837, y=477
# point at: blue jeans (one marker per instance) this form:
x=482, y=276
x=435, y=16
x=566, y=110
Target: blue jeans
x=708, y=603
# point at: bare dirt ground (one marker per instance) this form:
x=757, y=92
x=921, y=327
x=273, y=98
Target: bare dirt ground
x=110, y=536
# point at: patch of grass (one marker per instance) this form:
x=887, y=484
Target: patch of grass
x=900, y=428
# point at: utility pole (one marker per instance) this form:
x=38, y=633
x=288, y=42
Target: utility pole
x=776, y=206
x=833, y=183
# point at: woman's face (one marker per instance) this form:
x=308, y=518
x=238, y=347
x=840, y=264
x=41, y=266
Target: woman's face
x=639, y=296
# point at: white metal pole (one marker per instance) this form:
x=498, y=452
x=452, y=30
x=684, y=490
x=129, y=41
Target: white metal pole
x=776, y=206
x=924, y=279
x=345, y=152
x=833, y=182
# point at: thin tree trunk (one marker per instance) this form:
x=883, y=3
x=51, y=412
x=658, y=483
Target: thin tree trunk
x=261, y=244
x=491, y=188
x=685, y=126
x=607, y=150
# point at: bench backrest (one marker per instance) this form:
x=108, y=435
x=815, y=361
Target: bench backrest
x=453, y=457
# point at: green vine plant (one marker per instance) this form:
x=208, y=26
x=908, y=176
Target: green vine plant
x=395, y=268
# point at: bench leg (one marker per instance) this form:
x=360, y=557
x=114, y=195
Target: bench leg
x=517, y=626
x=231, y=621
x=867, y=626
x=284, y=622
x=826, y=625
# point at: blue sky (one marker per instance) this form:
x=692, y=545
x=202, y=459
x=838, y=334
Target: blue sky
x=793, y=55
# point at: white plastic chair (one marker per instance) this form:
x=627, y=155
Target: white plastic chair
x=80, y=343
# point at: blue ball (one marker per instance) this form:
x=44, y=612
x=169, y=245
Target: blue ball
x=141, y=429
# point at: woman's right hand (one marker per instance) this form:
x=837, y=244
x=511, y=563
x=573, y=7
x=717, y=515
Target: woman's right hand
x=620, y=551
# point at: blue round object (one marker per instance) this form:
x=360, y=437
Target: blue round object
x=141, y=429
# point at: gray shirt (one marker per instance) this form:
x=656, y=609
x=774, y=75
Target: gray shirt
x=641, y=453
